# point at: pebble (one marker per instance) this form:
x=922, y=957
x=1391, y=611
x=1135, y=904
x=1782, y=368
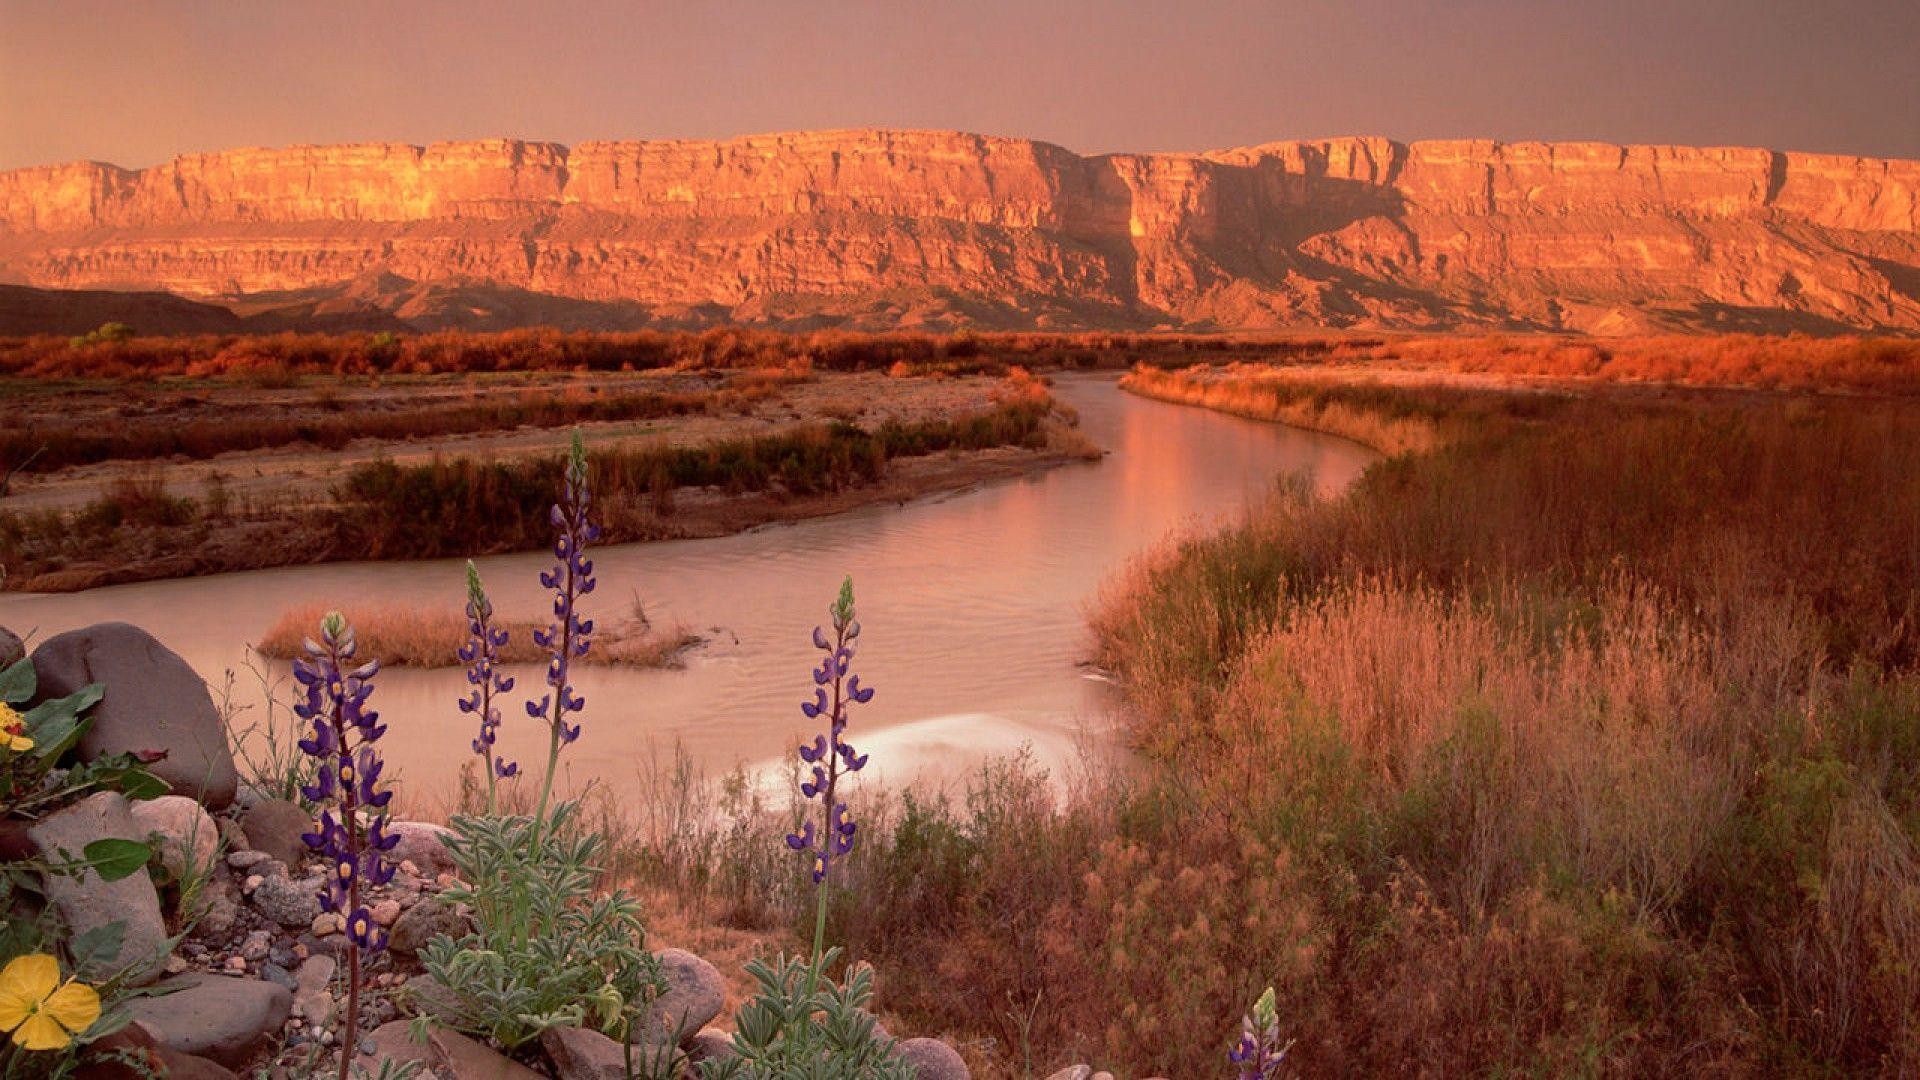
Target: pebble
x=246, y=860
x=257, y=945
x=176, y=964
x=325, y=923
x=274, y=973
x=253, y=882
x=236, y=963
x=386, y=911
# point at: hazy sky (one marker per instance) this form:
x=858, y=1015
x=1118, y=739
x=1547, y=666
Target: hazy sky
x=137, y=81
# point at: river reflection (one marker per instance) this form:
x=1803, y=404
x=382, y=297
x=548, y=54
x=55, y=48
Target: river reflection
x=973, y=605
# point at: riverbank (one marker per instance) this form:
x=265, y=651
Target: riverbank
x=794, y=448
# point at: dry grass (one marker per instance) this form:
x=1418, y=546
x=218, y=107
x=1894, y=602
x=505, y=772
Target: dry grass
x=1585, y=744
x=410, y=637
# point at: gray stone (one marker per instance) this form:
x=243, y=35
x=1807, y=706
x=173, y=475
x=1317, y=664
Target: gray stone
x=219, y=1018
x=932, y=1060
x=276, y=826
x=423, y=922
x=581, y=1054
x=695, y=993
x=12, y=651
x=247, y=859
x=218, y=910
x=279, y=976
x=85, y=902
x=153, y=701
x=422, y=844
x=189, y=841
x=286, y=901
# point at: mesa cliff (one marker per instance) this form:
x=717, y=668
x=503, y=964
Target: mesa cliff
x=876, y=229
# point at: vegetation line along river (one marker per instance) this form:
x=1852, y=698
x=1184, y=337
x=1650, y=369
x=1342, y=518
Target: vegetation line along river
x=973, y=604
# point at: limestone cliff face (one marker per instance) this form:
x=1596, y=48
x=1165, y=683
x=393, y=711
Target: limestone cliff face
x=897, y=228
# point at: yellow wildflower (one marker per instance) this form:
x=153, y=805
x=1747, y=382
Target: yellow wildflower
x=13, y=733
x=40, y=1011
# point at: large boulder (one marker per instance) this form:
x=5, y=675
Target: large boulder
x=421, y=843
x=277, y=827
x=85, y=902
x=211, y=1016
x=153, y=702
x=695, y=993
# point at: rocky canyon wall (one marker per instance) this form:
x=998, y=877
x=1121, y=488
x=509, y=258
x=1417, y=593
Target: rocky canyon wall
x=885, y=228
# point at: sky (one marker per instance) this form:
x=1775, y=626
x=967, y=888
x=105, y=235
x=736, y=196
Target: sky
x=137, y=81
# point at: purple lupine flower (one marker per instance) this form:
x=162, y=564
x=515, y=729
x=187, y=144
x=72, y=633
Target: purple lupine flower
x=481, y=654
x=1259, y=1053
x=571, y=578
x=348, y=777
x=829, y=755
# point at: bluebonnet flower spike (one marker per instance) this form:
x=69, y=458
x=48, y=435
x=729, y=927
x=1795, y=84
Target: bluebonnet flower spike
x=829, y=755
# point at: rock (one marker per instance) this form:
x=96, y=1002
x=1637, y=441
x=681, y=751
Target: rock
x=12, y=651
x=325, y=923
x=153, y=701
x=423, y=922
x=393, y=1041
x=293, y=904
x=85, y=902
x=139, y=1042
x=246, y=858
x=424, y=995
x=932, y=1059
x=213, y=1017
x=315, y=975
x=386, y=912
x=710, y=1044
x=189, y=841
x=470, y=1060
x=257, y=945
x=312, y=993
x=275, y=826
x=423, y=845
x=695, y=993
x=1355, y=224
x=581, y=1054
x=218, y=911
x=280, y=976
x=1072, y=1072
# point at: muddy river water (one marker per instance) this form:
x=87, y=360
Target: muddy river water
x=973, y=603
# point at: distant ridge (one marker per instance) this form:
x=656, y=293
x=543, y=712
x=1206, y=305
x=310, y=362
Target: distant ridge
x=885, y=229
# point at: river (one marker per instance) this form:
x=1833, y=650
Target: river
x=973, y=606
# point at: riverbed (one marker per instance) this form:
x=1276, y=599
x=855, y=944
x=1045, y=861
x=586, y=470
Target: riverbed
x=973, y=605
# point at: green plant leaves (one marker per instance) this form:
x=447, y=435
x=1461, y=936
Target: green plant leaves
x=17, y=682
x=114, y=859
x=55, y=726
